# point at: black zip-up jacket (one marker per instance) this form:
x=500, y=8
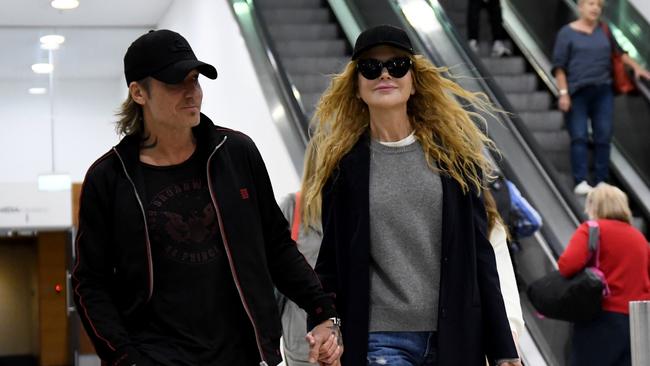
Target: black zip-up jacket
x=113, y=275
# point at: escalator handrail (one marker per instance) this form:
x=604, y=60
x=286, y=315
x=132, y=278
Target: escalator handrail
x=348, y=18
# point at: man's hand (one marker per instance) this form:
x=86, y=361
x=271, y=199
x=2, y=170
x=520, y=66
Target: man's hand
x=325, y=344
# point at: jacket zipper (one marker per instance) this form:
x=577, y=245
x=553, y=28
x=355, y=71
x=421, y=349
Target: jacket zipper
x=146, y=228
x=229, y=255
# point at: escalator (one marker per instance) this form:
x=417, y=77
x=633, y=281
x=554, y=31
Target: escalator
x=309, y=42
x=630, y=169
x=278, y=33
x=529, y=86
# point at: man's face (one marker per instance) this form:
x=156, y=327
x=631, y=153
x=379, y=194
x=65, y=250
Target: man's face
x=174, y=106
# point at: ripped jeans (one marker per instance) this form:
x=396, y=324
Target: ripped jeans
x=402, y=348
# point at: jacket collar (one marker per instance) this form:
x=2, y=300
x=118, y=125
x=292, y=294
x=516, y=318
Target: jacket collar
x=128, y=148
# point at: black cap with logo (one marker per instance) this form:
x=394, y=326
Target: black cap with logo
x=164, y=55
x=382, y=35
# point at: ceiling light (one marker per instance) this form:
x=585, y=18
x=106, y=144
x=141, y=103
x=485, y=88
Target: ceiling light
x=64, y=4
x=37, y=91
x=51, y=41
x=42, y=68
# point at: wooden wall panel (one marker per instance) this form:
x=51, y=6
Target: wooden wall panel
x=53, y=319
x=76, y=194
x=18, y=297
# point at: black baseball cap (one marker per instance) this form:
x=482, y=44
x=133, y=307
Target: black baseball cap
x=382, y=35
x=164, y=55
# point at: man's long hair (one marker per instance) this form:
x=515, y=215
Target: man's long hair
x=451, y=141
x=130, y=114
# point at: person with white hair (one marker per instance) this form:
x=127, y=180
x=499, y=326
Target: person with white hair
x=623, y=255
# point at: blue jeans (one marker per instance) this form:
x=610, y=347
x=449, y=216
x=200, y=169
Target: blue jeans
x=604, y=341
x=402, y=348
x=595, y=103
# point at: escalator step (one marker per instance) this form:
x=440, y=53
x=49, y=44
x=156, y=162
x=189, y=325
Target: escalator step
x=311, y=48
x=312, y=83
x=543, y=121
x=537, y=101
x=303, y=65
x=296, y=16
x=517, y=83
x=554, y=140
x=505, y=65
x=566, y=179
x=299, y=32
x=561, y=161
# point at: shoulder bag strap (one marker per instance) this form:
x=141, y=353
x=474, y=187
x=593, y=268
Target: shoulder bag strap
x=594, y=247
x=610, y=38
x=594, y=239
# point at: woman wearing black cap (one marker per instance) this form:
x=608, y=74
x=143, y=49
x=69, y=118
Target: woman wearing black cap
x=399, y=175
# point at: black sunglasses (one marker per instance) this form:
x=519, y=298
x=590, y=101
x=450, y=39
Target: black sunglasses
x=371, y=68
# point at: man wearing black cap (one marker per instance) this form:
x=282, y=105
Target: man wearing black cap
x=180, y=240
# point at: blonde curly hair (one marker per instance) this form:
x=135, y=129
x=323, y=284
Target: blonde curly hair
x=452, y=142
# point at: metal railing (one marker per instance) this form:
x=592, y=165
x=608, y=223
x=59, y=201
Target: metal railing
x=640, y=332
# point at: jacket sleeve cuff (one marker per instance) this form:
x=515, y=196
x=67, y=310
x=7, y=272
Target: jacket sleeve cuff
x=129, y=356
x=322, y=311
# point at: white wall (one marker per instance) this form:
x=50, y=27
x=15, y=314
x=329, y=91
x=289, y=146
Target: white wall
x=84, y=109
x=234, y=99
x=643, y=6
x=83, y=127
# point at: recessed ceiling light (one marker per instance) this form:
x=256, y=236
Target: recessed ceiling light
x=51, y=41
x=37, y=91
x=64, y=4
x=42, y=68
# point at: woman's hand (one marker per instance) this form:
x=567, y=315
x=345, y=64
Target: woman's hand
x=640, y=72
x=564, y=103
x=325, y=344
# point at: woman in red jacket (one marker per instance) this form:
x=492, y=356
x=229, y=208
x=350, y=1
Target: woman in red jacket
x=625, y=261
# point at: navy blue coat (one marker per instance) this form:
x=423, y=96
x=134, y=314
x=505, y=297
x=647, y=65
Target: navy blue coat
x=472, y=317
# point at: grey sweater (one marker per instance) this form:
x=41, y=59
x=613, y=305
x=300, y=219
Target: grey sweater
x=405, y=239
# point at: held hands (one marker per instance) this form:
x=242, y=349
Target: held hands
x=325, y=344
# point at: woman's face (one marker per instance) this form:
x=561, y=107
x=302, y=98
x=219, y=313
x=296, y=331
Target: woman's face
x=590, y=10
x=385, y=91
